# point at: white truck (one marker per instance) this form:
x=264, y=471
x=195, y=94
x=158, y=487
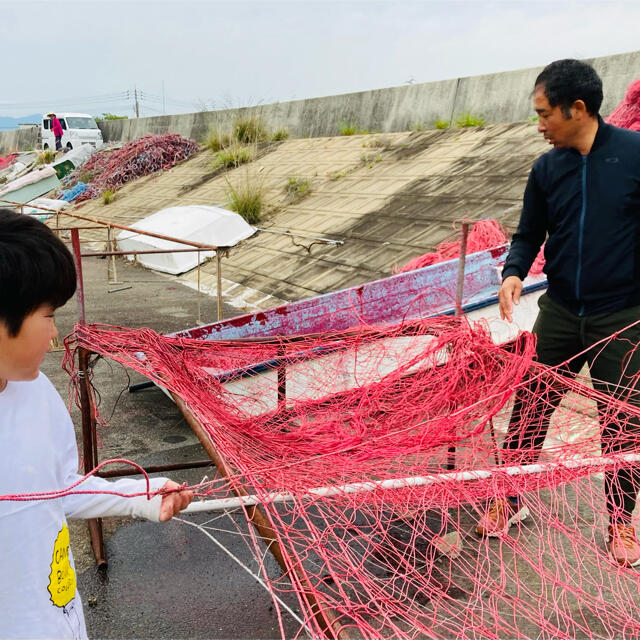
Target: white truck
x=77, y=129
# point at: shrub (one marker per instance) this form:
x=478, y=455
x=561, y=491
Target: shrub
x=86, y=176
x=280, y=134
x=46, y=157
x=110, y=116
x=217, y=140
x=442, y=124
x=346, y=128
x=469, y=120
x=233, y=156
x=375, y=142
x=370, y=158
x=297, y=188
x=108, y=196
x=246, y=199
x=249, y=130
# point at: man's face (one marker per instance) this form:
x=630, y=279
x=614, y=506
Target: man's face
x=22, y=355
x=556, y=128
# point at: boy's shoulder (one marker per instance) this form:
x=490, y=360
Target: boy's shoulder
x=34, y=392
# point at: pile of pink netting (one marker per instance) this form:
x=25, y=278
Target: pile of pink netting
x=484, y=234
x=387, y=443
x=143, y=156
x=627, y=113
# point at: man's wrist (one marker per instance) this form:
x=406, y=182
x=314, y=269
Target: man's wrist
x=511, y=271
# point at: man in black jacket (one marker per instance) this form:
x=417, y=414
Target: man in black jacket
x=584, y=195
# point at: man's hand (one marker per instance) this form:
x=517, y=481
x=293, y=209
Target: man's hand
x=508, y=296
x=173, y=503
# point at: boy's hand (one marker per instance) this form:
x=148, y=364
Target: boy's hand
x=173, y=503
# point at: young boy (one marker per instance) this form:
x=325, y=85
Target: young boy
x=38, y=451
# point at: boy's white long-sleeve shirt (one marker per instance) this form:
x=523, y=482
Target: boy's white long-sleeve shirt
x=38, y=452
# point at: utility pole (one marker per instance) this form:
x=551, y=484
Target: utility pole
x=135, y=93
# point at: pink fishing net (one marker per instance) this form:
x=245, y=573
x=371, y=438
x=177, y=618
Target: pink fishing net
x=627, y=113
x=386, y=443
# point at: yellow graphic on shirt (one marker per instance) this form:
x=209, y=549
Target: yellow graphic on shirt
x=62, y=579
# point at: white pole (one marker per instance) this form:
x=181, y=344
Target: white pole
x=223, y=504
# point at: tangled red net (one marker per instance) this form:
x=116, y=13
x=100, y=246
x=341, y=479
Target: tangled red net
x=111, y=169
x=627, y=113
x=387, y=444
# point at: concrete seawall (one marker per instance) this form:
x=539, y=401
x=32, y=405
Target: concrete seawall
x=497, y=97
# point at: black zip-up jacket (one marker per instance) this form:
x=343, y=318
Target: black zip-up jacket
x=590, y=208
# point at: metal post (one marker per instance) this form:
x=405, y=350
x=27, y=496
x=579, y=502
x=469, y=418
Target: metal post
x=451, y=453
x=461, y=264
x=198, y=321
x=111, y=246
x=282, y=377
x=75, y=244
x=219, y=274
x=90, y=450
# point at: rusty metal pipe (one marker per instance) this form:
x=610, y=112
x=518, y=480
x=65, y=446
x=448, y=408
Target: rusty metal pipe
x=75, y=243
x=90, y=451
x=99, y=254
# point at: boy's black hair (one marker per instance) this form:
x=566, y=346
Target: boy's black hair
x=35, y=269
x=565, y=81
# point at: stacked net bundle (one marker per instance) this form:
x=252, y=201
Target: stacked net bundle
x=112, y=169
x=375, y=465
x=627, y=113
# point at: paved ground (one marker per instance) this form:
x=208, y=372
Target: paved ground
x=164, y=580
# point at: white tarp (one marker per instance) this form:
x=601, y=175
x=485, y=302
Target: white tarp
x=79, y=155
x=30, y=178
x=199, y=223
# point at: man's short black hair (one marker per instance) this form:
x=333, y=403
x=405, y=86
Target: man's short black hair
x=565, y=81
x=36, y=268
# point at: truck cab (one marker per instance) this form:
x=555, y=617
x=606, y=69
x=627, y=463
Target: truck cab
x=77, y=129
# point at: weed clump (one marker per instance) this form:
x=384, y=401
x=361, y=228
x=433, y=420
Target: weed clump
x=469, y=120
x=442, y=124
x=46, y=157
x=297, y=188
x=280, y=134
x=347, y=128
x=247, y=200
x=233, y=156
x=375, y=142
x=217, y=140
x=108, y=196
x=249, y=130
x=370, y=159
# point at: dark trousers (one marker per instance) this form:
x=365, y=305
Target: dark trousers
x=58, y=143
x=613, y=366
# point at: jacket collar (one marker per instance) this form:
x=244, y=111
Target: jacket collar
x=602, y=134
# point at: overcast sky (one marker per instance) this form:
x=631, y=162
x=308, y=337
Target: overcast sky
x=89, y=55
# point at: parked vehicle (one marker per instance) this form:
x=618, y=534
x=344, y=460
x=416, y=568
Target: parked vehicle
x=77, y=128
